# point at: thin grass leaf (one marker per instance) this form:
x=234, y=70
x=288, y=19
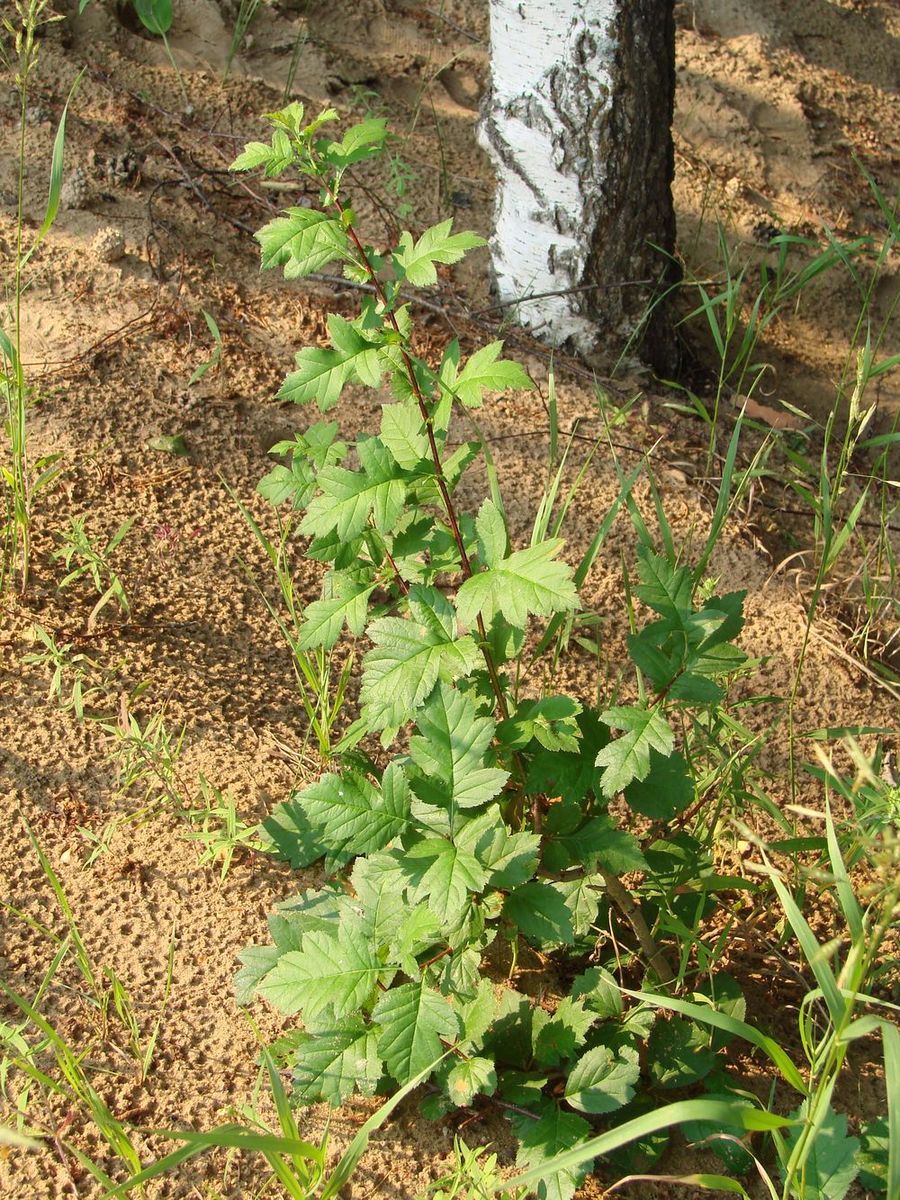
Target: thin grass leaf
x=590, y=555
x=81, y=954
x=711, y=1016
x=846, y=896
x=340, y=1176
x=890, y=1037
x=743, y=1116
x=723, y=501
x=162, y=1166
x=812, y=951
x=56, y=174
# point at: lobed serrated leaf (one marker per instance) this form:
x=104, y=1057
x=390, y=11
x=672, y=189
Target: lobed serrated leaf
x=483, y=372
x=351, y=814
x=350, y=499
x=628, y=757
x=320, y=376
x=337, y=1061
x=333, y=972
x=528, y=582
x=540, y=1141
x=603, y=1079
x=470, y=1078
x=539, y=912
x=436, y=245
x=557, y=1036
x=302, y=241
x=254, y=154
x=450, y=747
x=412, y=1019
x=403, y=432
x=832, y=1163
x=447, y=881
x=409, y=658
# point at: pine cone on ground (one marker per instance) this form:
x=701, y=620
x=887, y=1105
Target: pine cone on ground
x=108, y=244
x=75, y=191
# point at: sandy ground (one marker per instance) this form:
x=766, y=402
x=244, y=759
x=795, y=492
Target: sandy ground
x=774, y=101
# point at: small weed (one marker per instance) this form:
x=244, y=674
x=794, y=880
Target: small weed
x=222, y=833
x=94, y=563
x=70, y=673
x=145, y=758
x=474, y=1176
x=322, y=685
x=215, y=358
x=246, y=12
x=21, y=479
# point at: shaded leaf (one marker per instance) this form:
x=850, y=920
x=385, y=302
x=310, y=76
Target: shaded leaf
x=628, y=757
x=335, y=1062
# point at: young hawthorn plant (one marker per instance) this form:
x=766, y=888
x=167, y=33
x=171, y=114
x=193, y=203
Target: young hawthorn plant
x=491, y=819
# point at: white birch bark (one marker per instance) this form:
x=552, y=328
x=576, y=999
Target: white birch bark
x=567, y=107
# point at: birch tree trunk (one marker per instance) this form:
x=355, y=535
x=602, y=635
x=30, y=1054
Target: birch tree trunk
x=578, y=125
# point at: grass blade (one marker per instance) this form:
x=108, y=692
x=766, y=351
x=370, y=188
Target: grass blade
x=718, y=1111
x=711, y=1016
x=357, y=1148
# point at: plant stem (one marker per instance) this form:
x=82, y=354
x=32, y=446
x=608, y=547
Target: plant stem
x=624, y=902
x=446, y=498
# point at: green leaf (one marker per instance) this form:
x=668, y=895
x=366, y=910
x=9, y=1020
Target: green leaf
x=320, y=376
x=541, y=1141
x=582, y=897
x=470, y=1078
x=666, y=790
x=257, y=962
x=527, y=582
x=403, y=432
x=873, y=1156
x=556, y=1038
x=335, y=1062
x=292, y=836
x=510, y=858
x=436, y=245
x=729, y=1148
x=418, y=931
x=254, y=154
x=831, y=1164
x=477, y=1015
x=302, y=241
x=679, y=1053
x=492, y=535
x=570, y=776
x=350, y=814
x=324, y=619
x=540, y=913
x=412, y=1020
x=379, y=886
x=362, y=358
x=449, y=749
x=409, y=658
x=483, y=372
x=154, y=15
x=599, y=991
x=603, y=1079
x=665, y=588
x=350, y=498
x=333, y=972
x=628, y=757
x=360, y=142
x=445, y=884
